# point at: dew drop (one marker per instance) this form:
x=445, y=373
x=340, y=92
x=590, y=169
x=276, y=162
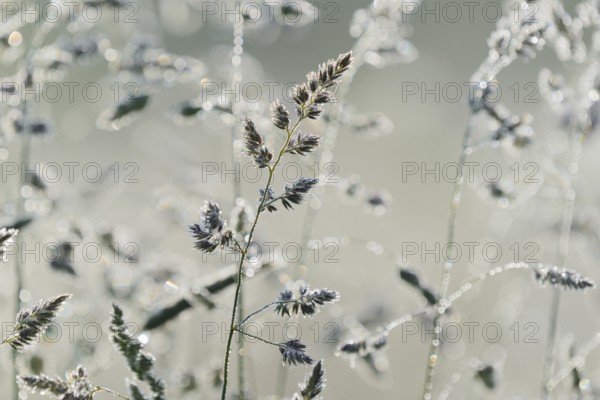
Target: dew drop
x=15, y=39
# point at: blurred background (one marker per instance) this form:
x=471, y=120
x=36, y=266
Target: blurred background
x=158, y=167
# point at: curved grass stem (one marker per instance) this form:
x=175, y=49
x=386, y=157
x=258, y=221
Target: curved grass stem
x=445, y=282
x=236, y=78
x=257, y=337
x=563, y=251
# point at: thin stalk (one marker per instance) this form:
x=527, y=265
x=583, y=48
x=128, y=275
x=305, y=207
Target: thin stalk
x=575, y=361
x=257, y=338
x=445, y=282
x=15, y=368
x=444, y=304
x=563, y=251
x=241, y=351
x=453, y=382
x=112, y=392
x=455, y=203
x=264, y=308
x=549, y=360
x=24, y=157
x=236, y=78
x=232, y=326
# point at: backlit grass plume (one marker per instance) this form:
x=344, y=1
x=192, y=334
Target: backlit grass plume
x=76, y=387
x=302, y=143
x=45, y=384
x=307, y=303
x=211, y=234
x=32, y=322
x=139, y=362
x=294, y=353
x=254, y=144
x=313, y=385
x=563, y=278
x=294, y=194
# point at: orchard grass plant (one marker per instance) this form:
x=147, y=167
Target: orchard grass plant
x=152, y=305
